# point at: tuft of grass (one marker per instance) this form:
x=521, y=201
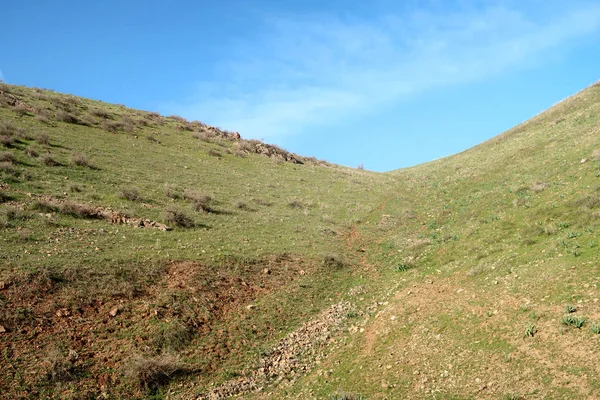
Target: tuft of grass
x=177, y=217
x=153, y=372
x=570, y=309
x=571, y=320
x=530, y=331
x=595, y=328
x=130, y=193
x=403, y=267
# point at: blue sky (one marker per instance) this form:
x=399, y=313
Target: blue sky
x=387, y=84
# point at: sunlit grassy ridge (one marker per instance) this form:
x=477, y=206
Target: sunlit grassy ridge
x=458, y=271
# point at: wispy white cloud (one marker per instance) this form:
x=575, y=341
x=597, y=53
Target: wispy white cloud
x=306, y=71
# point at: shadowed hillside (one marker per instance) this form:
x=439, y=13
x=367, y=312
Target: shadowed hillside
x=145, y=255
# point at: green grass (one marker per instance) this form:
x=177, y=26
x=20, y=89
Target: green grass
x=570, y=320
x=435, y=259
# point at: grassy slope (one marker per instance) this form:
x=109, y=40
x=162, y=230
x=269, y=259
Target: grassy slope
x=503, y=237
x=455, y=259
x=294, y=216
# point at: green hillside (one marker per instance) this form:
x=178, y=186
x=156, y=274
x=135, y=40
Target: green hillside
x=149, y=256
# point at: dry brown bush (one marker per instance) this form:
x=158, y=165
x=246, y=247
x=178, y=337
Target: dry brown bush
x=80, y=160
x=49, y=161
x=130, y=193
x=7, y=156
x=43, y=138
x=152, y=372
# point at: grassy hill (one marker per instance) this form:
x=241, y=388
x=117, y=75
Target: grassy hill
x=149, y=256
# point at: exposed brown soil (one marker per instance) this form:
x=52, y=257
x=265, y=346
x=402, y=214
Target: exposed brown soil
x=43, y=319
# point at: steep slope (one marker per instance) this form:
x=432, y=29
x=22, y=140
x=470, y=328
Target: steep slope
x=98, y=297
x=490, y=261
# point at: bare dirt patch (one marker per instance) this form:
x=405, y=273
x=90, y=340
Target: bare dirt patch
x=42, y=312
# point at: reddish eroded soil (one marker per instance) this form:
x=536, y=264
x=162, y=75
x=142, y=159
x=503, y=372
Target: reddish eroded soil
x=71, y=347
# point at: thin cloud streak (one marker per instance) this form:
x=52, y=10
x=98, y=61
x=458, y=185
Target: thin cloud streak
x=305, y=72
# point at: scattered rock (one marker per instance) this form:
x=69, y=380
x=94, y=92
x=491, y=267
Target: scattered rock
x=114, y=311
x=2, y=329
x=266, y=271
x=250, y=307
x=297, y=352
x=3, y=285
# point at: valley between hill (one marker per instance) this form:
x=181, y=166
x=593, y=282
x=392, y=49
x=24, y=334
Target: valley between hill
x=145, y=256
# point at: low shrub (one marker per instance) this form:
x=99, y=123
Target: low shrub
x=7, y=156
x=69, y=118
x=152, y=372
x=60, y=364
x=172, y=192
x=7, y=167
x=174, y=216
x=81, y=160
x=100, y=113
x=7, y=141
x=49, y=161
x=31, y=152
x=295, y=204
x=333, y=261
x=201, y=202
x=130, y=193
x=45, y=206
x=79, y=210
x=43, y=139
